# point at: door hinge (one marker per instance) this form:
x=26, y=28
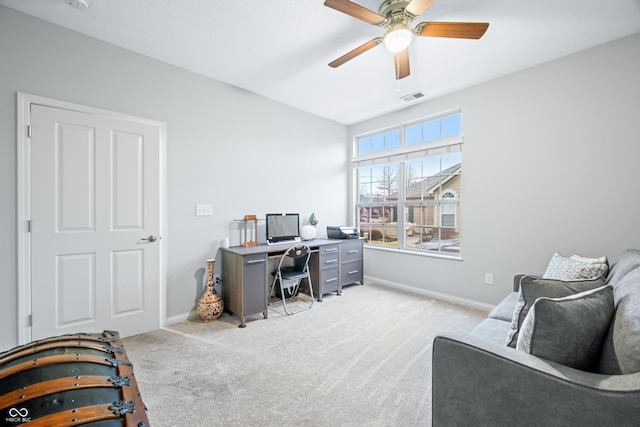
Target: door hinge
x=30, y=320
x=28, y=131
x=28, y=226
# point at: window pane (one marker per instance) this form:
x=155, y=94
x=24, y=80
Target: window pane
x=451, y=176
x=365, y=214
x=431, y=130
x=416, y=191
x=377, y=142
x=440, y=240
x=364, y=145
x=413, y=172
x=392, y=139
x=413, y=134
x=431, y=167
x=385, y=182
x=379, y=224
x=452, y=126
x=364, y=175
x=450, y=160
x=364, y=192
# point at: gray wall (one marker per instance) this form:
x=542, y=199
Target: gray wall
x=550, y=164
x=550, y=159
x=224, y=147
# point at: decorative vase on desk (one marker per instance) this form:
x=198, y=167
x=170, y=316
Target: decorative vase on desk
x=210, y=305
x=308, y=232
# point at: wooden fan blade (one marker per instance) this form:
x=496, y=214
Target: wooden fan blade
x=459, y=30
x=401, y=64
x=417, y=7
x=355, y=52
x=355, y=10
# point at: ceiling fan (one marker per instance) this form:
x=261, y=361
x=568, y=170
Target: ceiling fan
x=395, y=16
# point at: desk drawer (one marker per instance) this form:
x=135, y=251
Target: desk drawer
x=351, y=250
x=329, y=256
x=329, y=280
x=351, y=272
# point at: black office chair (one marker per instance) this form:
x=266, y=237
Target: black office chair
x=289, y=277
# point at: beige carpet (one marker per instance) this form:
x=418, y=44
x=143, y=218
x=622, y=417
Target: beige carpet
x=360, y=359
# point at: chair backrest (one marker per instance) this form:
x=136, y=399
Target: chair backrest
x=298, y=252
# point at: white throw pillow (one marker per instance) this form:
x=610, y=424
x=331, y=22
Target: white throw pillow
x=562, y=268
x=600, y=260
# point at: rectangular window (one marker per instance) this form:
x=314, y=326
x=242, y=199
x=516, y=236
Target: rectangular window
x=379, y=142
x=409, y=192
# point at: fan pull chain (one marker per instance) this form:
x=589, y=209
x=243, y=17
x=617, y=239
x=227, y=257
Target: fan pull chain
x=397, y=67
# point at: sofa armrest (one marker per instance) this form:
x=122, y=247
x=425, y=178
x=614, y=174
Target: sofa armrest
x=478, y=383
x=516, y=282
x=517, y=277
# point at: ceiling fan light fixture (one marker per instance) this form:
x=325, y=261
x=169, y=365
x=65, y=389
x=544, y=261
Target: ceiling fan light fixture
x=398, y=38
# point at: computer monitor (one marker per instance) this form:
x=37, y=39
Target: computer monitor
x=283, y=227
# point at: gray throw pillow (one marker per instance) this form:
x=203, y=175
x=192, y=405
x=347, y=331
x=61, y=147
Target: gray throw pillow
x=562, y=268
x=568, y=330
x=532, y=288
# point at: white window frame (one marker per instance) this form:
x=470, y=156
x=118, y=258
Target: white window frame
x=399, y=156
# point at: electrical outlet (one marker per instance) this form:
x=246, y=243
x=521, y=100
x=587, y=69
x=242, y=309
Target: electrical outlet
x=217, y=279
x=204, y=210
x=488, y=278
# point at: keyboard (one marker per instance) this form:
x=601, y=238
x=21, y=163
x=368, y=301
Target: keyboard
x=284, y=242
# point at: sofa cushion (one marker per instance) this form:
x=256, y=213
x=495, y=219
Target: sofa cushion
x=504, y=310
x=624, y=275
x=561, y=268
x=622, y=265
x=532, y=288
x=568, y=330
x=491, y=331
x=621, y=349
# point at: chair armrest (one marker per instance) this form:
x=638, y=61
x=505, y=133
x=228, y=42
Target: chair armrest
x=478, y=383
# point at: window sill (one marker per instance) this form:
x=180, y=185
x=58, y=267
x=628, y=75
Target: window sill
x=440, y=255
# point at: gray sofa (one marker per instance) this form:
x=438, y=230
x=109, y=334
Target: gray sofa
x=478, y=380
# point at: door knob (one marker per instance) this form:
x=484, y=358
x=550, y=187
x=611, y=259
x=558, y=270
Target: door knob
x=151, y=238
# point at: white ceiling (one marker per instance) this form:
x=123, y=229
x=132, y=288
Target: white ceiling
x=280, y=48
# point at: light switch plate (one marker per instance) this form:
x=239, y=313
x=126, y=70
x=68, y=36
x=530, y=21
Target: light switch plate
x=488, y=278
x=204, y=210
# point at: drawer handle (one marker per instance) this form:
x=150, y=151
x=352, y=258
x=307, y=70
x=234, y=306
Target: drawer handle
x=254, y=261
x=331, y=250
x=331, y=261
x=331, y=280
x=353, y=252
x=354, y=271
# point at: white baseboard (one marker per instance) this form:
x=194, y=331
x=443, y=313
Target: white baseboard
x=368, y=279
x=430, y=294
x=178, y=318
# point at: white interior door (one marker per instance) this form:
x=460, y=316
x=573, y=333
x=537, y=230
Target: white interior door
x=95, y=198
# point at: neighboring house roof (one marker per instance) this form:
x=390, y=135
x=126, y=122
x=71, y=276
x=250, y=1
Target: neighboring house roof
x=430, y=184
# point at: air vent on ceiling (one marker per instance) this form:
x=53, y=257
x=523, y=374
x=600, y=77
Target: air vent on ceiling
x=413, y=96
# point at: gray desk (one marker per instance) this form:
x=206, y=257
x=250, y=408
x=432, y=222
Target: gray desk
x=246, y=273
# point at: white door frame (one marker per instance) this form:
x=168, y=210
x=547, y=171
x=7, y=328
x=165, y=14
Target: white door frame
x=23, y=108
